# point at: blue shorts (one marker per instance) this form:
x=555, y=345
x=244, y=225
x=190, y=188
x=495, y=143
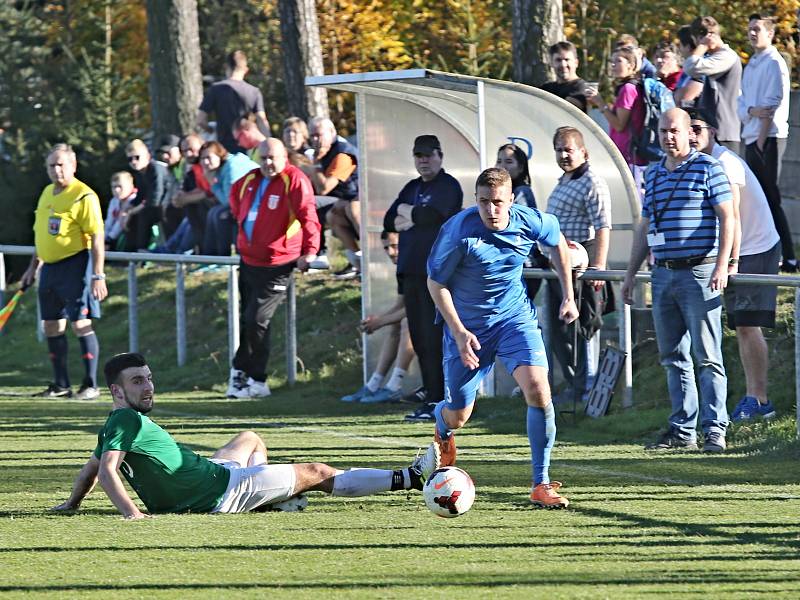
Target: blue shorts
x=65, y=290
x=516, y=341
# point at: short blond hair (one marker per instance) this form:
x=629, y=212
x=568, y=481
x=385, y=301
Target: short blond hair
x=120, y=176
x=136, y=145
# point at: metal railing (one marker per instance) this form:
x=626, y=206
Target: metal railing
x=626, y=338
x=180, y=261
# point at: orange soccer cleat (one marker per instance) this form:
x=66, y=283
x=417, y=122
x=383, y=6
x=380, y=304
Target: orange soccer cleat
x=447, y=449
x=545, y=495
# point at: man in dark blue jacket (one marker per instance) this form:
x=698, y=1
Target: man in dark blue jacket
x=418, y=213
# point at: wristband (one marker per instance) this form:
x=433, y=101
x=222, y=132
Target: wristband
x=98, y=277
x=733, y=261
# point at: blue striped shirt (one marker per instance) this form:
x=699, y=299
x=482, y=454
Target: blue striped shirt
x=680, y=204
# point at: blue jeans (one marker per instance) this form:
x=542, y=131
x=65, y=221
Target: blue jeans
x=688, y=315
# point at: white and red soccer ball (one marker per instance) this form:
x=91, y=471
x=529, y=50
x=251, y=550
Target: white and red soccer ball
x=449, y=492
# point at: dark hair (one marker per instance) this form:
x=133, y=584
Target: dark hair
x=216, y=148
x=630, y=55
x=384, y=235
x=686, y=37
x=236, y=60
x=563, y=46
x=702, y=26
x=566, y=133
x=769, y=21
x=626, y=40
x=665, y=47
x=493, y=178
x=117, y=364
x=524, y=177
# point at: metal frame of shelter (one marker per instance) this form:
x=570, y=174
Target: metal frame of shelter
x=472, y=118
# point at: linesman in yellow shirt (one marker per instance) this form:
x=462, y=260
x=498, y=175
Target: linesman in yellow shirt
x=69, y=259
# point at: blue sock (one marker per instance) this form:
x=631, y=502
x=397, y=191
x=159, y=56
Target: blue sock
x=90, y=351
x=542, y=436
x=58, y=347
x=444, y=431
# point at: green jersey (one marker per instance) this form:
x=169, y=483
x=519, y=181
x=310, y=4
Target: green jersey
x=166, y=476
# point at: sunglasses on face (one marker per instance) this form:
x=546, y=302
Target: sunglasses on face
x=699, y=128
x=133, y=158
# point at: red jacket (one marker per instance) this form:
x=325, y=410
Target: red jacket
x=286, y=226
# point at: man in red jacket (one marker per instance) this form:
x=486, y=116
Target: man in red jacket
x=276, y=213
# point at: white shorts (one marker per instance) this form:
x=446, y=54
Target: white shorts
x=251, y=487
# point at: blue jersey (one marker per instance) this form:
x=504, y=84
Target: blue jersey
x=483, y=268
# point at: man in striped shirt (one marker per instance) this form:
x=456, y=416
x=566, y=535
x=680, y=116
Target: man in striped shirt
x=688, y=224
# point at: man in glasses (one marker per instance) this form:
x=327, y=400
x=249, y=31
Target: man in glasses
x=688, y=224
x=756, y=250
x=150, y=178
x=69, y=258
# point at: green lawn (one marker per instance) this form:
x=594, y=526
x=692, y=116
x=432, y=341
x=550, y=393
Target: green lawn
x=639, y=524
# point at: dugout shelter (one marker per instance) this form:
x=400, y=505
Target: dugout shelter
x=472, y=117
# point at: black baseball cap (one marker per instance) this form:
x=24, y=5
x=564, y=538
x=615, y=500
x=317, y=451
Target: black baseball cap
x=426, y=144
x=696, y=114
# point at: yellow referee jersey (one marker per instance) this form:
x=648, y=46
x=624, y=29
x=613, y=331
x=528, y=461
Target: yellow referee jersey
x=65, y=222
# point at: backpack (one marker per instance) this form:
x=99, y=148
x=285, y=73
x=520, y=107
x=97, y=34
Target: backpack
x=657, y=99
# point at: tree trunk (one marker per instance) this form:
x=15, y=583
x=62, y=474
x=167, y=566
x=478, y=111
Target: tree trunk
x=536, y=25
x=302, y=56
x=176, y=86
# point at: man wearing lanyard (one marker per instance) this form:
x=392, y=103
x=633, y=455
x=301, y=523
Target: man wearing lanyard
x=278, y=230
x=688, y=224
x=418, y=213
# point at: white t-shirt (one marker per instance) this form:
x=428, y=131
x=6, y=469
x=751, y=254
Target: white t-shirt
x=758, y=228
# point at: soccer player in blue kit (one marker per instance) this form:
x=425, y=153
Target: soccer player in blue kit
x=475, y=279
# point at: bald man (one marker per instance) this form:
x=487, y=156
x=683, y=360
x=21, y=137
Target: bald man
x=688, y=223
x=276, y=214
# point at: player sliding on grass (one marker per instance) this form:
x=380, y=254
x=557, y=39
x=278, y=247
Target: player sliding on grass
x=170, y=478
x=475, y=279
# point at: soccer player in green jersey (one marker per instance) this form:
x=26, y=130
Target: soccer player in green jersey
x=170, y=478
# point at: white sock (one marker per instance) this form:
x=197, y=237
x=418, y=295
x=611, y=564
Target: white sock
x=362, y=482
x=375, y=381
x=396, y=380
x=257, y=458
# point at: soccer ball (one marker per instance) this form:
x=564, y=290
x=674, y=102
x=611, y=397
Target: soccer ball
x=449, y=492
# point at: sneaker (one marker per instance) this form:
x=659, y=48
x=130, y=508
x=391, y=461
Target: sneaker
x=54, y=391
x=382, y=395
x=672, y=441
x=294, y=504
x=418, y=395
x=321, y=263
x=447, y=448
x=257, y=389
x=354, y=258
x=423, y=413
x=356, y=396
x=346, y=274
x=790, y=266
x=714, y=442
x=424, y=465
x=545, y=495
x=750, y=408
x=236, y=382
x=87, y=392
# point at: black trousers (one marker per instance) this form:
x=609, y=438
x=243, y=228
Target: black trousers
x=140, y=228
x=261, y=290
x=765, y=167
x=426, y=337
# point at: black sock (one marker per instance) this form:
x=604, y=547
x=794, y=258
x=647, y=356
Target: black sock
x=398, y=480
x=58, y=357
x=90, y=350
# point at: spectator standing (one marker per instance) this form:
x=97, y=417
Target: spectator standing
x=151, y=179
x=334, y=176
x=720, y=65
x=581, y=201
x=764, y=110
x=418, y=213
x=195, y=195
x=221, y=169
x=668, y=70
x=69, y=257
x=757, y=250
x=278, y=229
x=123, y=194
x=645, y=69
x=688, y=88
x=564, y=62
x=230, y=100
x=688, y=223
x=249, y=137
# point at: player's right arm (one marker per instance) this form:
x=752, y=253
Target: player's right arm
x=466, y=340
x=84, y=484
x=110, y=481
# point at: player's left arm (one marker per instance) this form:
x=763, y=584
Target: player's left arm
x=111, y=483
x=568, y=311
x=99, y=289
x=84, y=484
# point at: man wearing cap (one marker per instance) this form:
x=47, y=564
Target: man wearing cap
x=418, y=213
x=756, y=250
x=688, y=223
